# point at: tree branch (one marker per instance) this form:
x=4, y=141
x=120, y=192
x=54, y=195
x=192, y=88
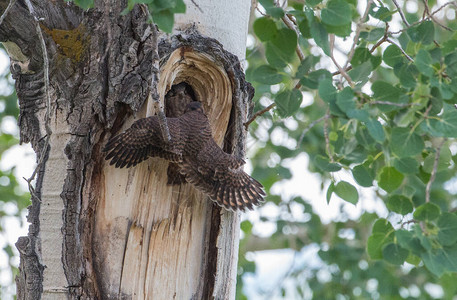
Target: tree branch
x=402, y=15
x=393, y=103
x=357, y=34
x=287, y=19
x=402, y=51
x=259, y=113
x=434, y=170
x=327, y=140
x=340, y=69
x=310, y=126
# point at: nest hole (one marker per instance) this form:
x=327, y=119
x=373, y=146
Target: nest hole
x=202, y=79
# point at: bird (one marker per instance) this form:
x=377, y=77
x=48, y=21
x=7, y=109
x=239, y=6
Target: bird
x=176, y=101
x=192, y=148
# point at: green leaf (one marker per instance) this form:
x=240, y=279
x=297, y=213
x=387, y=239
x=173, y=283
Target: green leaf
x=451, y=64
x=164, y=19
x=323, y=163
x=382, y=226
x=406, y=165
x=441, y=260
x=330, y=190
x=320, y=35
x=361, y=55
x=384, y=91
x=407, y=73
x=362, y=176
x=304, y=28
x=337, y=13
x=272, y=9
x=423, y=33
x=406, y=143
x=446, y=125
x=306, y=65
x=361, y=73
x=313, y=2
x=443, y=163
x=381, y=235
x=393, y=56
x=390, y=179
x=281, y=49
x=372, y=35
x=347, y=192
x=375, y=130
x=447, y=224
x=374, y=245
x=327, y=91
x=423, y=63
x=383, y=14
x=400, y=204
x=345, y=100
x=408, y=240
x=84, y=4
x=264, y=28
x=288, y=102
x=394, y=254
x=359, y=114
x=246, y=226
x=314, y=78
x=342, y=31
x=267, y=75
x=427, y=212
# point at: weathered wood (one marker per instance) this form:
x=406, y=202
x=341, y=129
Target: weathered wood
x=103, y=233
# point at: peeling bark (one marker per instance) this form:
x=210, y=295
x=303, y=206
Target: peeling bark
x=100, y=233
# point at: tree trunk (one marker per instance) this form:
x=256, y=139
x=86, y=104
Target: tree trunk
x=103, y=233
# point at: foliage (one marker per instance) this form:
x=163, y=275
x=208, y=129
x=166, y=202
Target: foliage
x=383, y=111
x=161, y=11
x=13, y=200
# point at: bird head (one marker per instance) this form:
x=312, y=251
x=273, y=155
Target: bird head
x=194, y=106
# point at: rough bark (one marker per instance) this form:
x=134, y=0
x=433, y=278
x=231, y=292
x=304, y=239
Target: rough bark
x=97, y=232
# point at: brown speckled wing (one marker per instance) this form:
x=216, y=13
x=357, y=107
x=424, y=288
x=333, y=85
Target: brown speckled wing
x=221, y=177
x=141, y=141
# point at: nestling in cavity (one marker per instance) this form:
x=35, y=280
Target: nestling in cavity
x=193, y=150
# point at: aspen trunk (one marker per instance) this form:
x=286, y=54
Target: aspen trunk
x=103, y=233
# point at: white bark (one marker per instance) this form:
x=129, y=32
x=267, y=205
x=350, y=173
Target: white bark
x=225, y=21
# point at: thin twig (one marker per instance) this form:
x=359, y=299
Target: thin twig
x=425, y=19
x=442, y=6
x=259, y=113
x=3, y=16
x=340, y=69
x=393, y=103
x=427, y=12
x=357, y=33
x=309, y=127
x=327, y=139
x=434, y=170
x=401, y=49
x=196, y=5
x=287, y=19
x=402, y=15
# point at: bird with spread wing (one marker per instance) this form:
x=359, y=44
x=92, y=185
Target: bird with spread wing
x=192, y=148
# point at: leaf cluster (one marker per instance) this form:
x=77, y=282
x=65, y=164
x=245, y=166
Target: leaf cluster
x=379, y=112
